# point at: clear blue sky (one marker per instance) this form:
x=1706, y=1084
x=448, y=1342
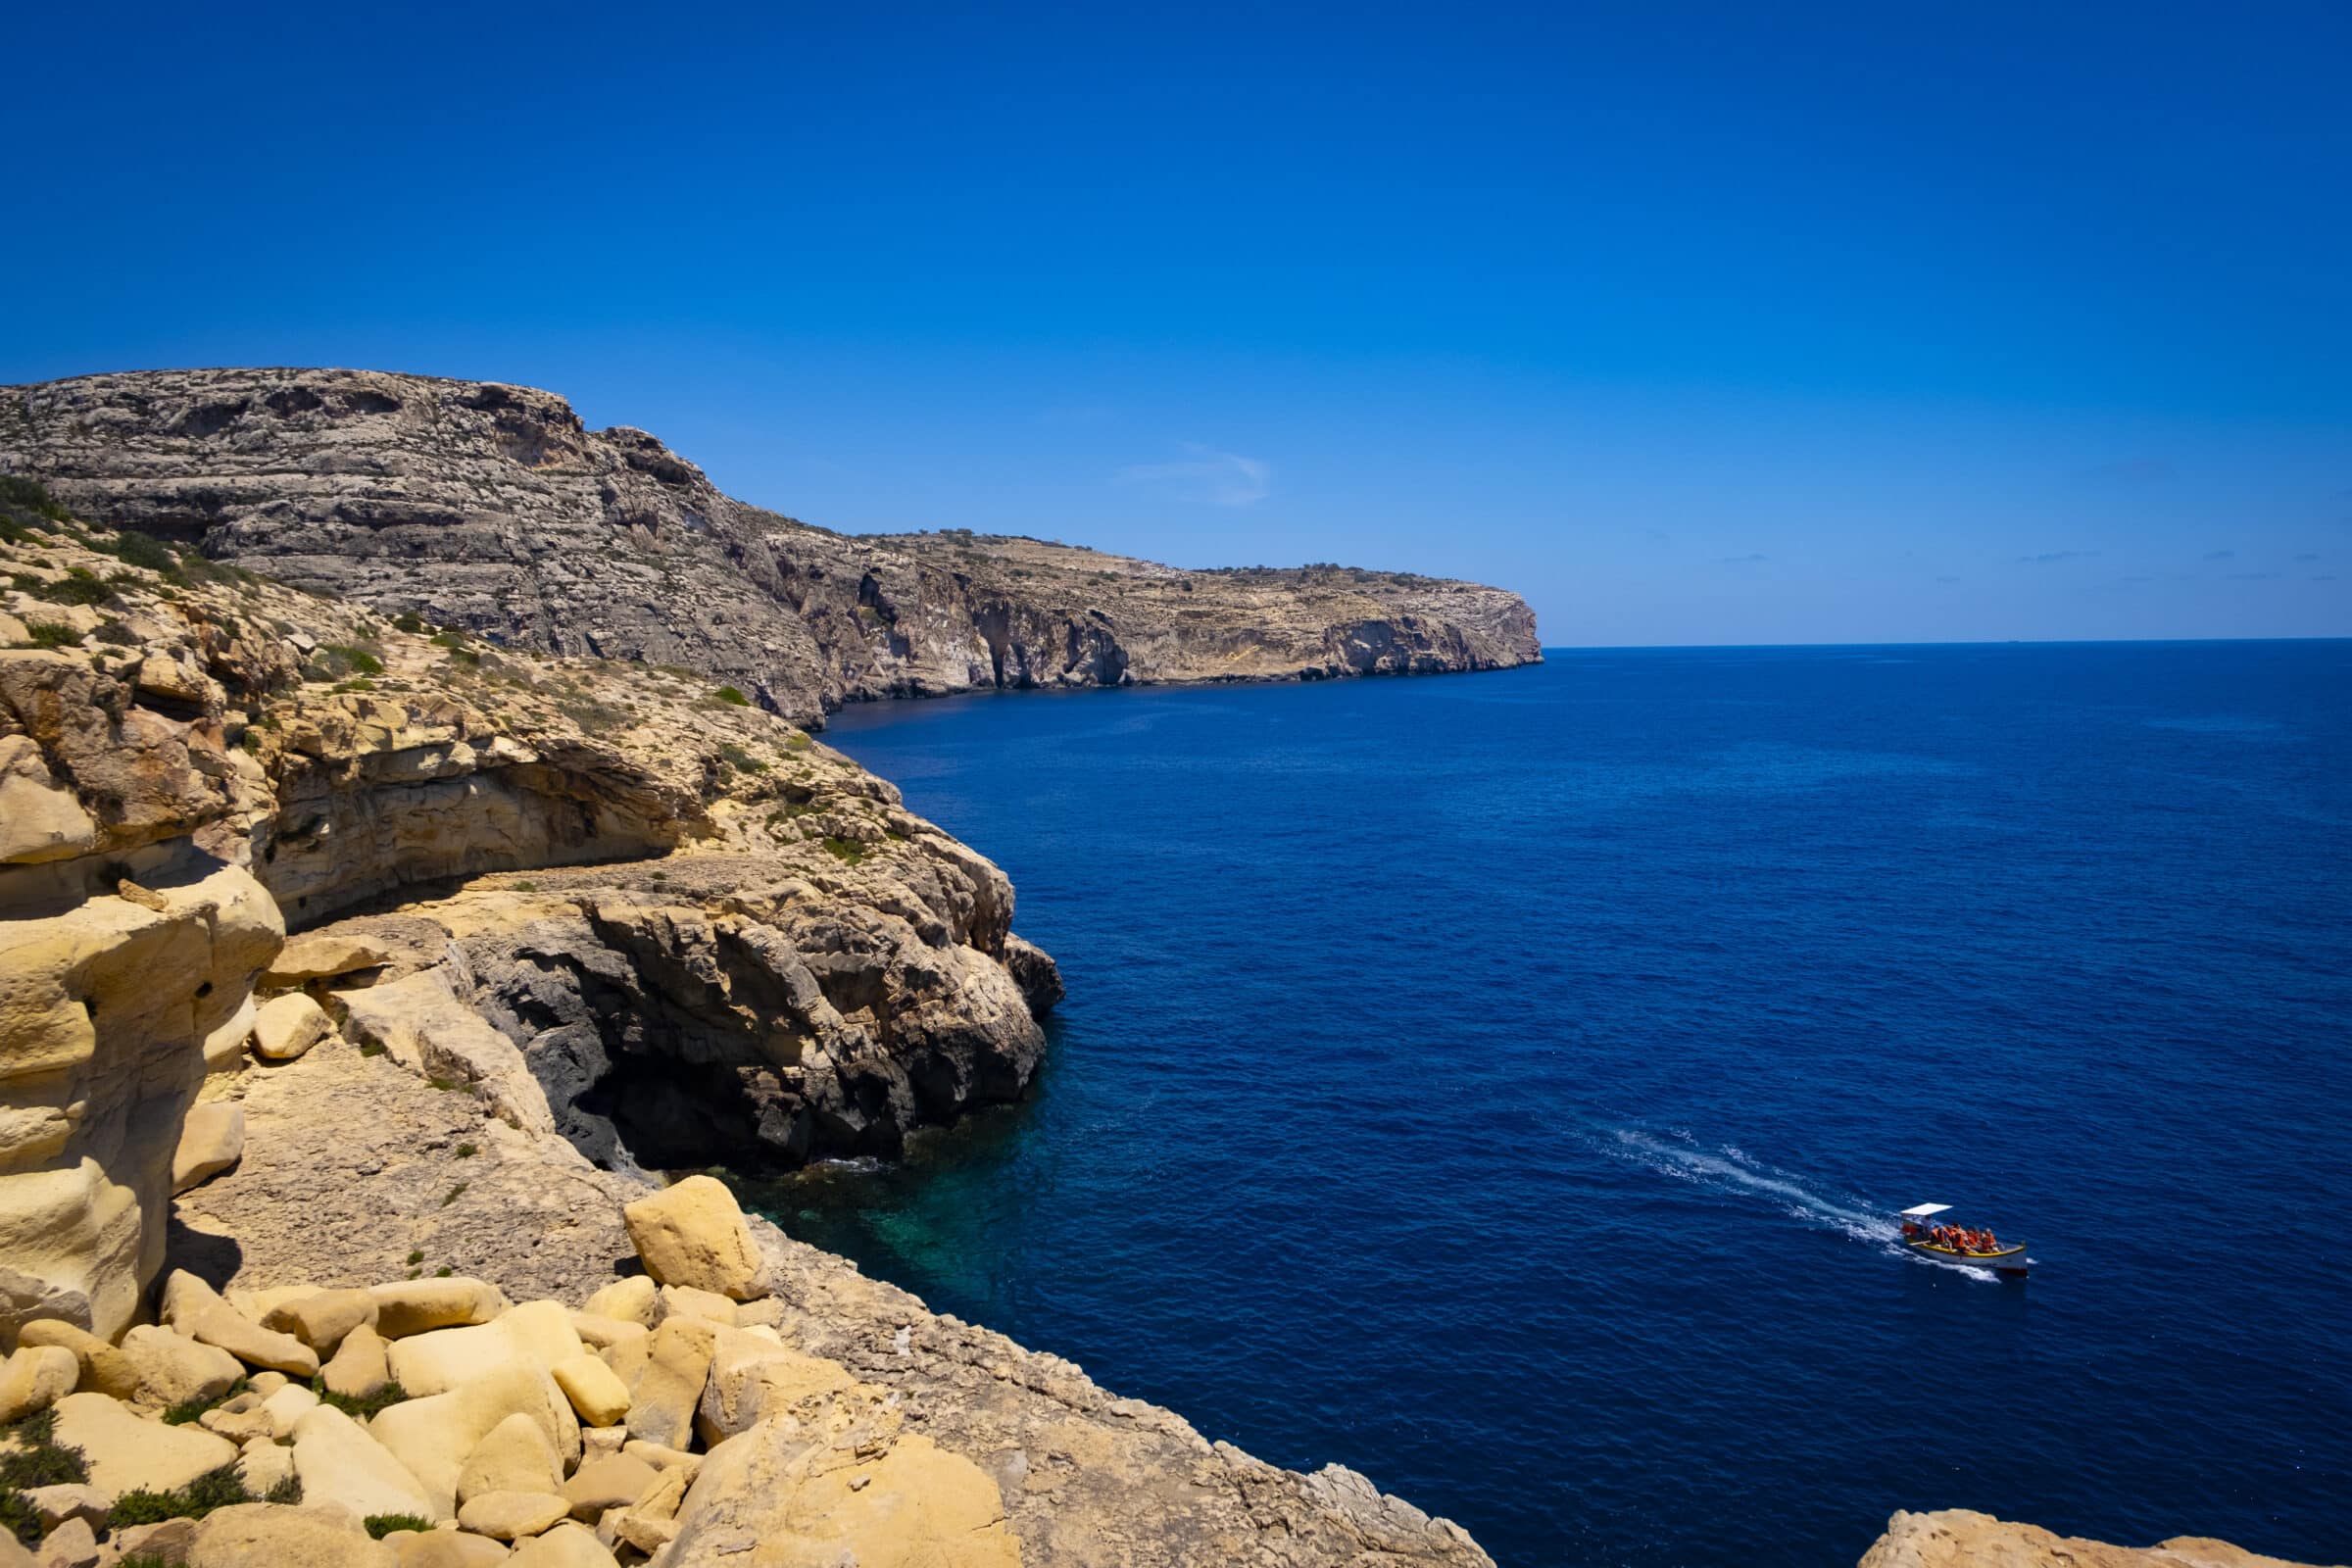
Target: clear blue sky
x=1694, y=323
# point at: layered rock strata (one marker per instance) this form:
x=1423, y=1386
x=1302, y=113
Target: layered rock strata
x=737, y=944
x=493, y=508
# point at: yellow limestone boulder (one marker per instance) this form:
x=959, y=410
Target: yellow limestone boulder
x=694, y=1234
x=127, y=1453
x=772, y=1498
x=536, y=1333
x=433, y=1435
x=340, y=1461
x=261, y=1535
x=287, y=1026
x=515, y=1456
x=211, y=1140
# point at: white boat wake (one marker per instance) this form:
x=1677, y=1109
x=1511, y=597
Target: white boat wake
x=1733, y=1170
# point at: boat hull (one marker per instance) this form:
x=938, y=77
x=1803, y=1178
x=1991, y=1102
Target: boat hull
x=2009, y=1260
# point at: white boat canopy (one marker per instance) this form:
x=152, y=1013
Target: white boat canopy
x=1926, y=1209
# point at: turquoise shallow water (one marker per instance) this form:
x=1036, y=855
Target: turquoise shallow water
x=1498, y=1084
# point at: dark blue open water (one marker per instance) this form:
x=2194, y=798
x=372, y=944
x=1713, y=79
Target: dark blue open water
x=1498, y=1084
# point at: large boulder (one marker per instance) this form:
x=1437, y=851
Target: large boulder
x=668, y=1389
x=175, y=1369
x=35, y=1377
x=127, y=1453
x=537, y=1334
x=435, y=1435
x=773, y=1498
x=340, y=1462
x=694, y=1234
x=261, y=1535
x=287, y=1026
x=211, y=1141
x=515, y=1456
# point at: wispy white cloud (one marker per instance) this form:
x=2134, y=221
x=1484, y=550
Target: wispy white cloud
x=1220, y=479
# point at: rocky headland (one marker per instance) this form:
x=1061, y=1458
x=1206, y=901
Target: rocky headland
x=494, y=510
x=412, y=849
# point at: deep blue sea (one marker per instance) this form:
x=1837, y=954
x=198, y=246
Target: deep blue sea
x=1500, y=1083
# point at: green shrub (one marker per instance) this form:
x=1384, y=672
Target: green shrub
x=409, y=622
x=222, y=1487
x=798, y=741
x=380, y=1525
x=52, y=634
x=453, y=1194
x=733, y=697
x=365, y=1405
x=78, y=586
x=20, y=494
x=356, y=657
x=18, y=1518
x=465, y=1151
x=145, y=551
x=371, y=1047
x=847, y=851
x=37, y=1458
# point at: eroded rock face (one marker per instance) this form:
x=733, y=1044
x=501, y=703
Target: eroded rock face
x=493, y=508
x=198, y=763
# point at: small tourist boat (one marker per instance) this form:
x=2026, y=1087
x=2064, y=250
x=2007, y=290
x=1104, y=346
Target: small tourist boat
x=1956, y=1243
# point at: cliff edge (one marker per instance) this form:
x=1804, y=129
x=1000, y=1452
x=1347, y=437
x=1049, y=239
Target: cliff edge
x=494, y=509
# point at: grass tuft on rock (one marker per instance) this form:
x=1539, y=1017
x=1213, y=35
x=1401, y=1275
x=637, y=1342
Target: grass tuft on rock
x=362, y=1406
x=849, y=852
x=732, y=696
x=380, y=1525
x=221, y=1487
x=187, y=1410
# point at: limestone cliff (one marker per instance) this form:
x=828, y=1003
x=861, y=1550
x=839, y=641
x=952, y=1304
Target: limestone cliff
x=738, y=945
x=1958, y=1538
x=493, y=508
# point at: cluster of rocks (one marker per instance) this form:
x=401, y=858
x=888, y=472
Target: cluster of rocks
x=493, y=508
x=432, y=1423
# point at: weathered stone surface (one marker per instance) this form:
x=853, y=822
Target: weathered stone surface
x=493, y=508
x=35, y=1377
x=516, y=1456
x=773, y=1500
x=627, y=1300
x=261, y=1535
x=340, y=1462
x=1958, y=1538
x=424, y=1027
x=420, y=1306
x=174, y=1370
x=753, y=1380
x=693, y=1234
x=445, y=1548
x=511, y=1515
x=323, y=955
x=597, y=1394
x=433, y=1435
x=322, y=1319
x=663, y=1398
x=196, y=1309
x=211, y=1140
x=613, y=1482
x=685, y=1300
x=536, y=1333
x=71, y=1544
x=284, y=1027
x=125, y=1453
x=360, y=1366
x=565, y=1546
x=104, y=1011
x=105, y=1368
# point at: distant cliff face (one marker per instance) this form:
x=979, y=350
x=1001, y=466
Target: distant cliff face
x=494, y=509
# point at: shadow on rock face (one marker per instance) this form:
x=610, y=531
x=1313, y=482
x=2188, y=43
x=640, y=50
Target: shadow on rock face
x=212, y=1259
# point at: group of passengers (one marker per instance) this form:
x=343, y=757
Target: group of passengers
x=1960, y=1239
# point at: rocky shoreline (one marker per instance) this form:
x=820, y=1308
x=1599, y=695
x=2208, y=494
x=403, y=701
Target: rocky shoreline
x=563, y=922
